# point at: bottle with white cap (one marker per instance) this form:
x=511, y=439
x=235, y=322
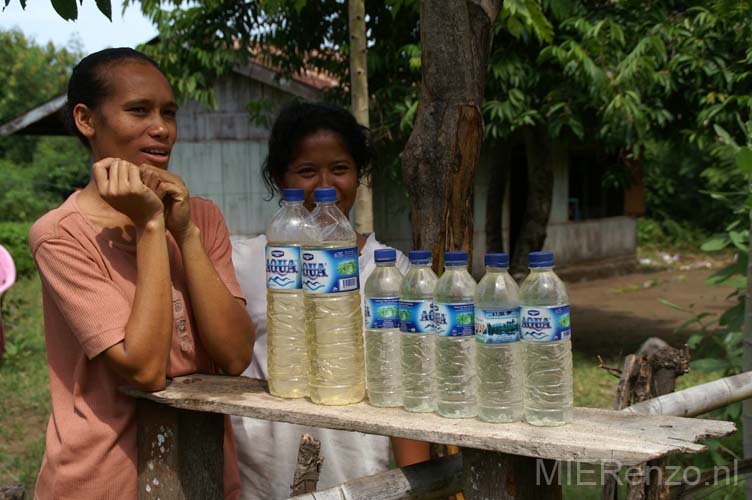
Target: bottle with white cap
x=546, y=331
x=383, y=370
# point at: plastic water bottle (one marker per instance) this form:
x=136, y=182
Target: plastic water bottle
x=418, y=335
x=334, y=323
x=383, y=370
x=498, y=348
x=546, y=332
x=454, y=320
x=286, y=343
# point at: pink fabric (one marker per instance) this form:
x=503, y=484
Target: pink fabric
x=7, y=270
x=88, y=286
x=7, y=278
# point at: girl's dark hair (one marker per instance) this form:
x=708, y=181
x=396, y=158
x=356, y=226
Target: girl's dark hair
x=90, y=84
x=299, y=120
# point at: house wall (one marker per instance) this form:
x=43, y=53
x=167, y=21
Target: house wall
x=592, y=239
x=220, y=152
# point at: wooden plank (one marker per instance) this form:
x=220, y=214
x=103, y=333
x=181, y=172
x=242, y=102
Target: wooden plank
x=509, y=477
x=437, y=479
x=180, y=453
x=595, y=436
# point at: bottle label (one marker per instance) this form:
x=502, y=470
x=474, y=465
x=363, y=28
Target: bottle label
x=416, y=316
x=497, y=326
x=330, y=270
x=455, y=320
x=545, y=323
x=283, y=267
x=382, y=312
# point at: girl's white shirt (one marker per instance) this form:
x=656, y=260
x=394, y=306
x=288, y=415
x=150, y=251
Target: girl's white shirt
x=268, y=451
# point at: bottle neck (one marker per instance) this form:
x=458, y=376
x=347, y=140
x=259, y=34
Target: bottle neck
x=421, y=265
x=288, y=203
x=541, y=269
x=455, y=267
x=496, y=269
x=385, y=264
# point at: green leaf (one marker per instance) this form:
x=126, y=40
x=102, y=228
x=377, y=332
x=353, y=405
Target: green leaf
x=725, y=137
x=709, y=365
x=739, y=239
x=105, y=7
x=715, y=243
x=67, y=9
x=744, y=161
x=673, y=306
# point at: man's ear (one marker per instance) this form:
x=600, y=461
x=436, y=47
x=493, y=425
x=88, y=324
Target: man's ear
x=83, y=118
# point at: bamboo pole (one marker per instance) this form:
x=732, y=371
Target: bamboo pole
x=356, y=12
x=698, y=399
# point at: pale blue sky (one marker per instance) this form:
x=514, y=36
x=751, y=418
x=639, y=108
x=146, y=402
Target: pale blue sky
x=93, y=29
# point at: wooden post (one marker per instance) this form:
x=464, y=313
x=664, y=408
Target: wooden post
x=502, y=476
x=180, y=453
x=15, y=492
x=309, y=466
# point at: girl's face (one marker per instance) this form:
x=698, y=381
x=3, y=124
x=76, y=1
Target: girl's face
x=323, y=161
x=136, y=121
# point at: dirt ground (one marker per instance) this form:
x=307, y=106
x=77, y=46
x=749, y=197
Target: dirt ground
x=611, y=317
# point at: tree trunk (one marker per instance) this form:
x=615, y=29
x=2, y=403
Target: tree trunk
x=356, y=13
x=497, y=184
x=540, y=152
x=440, y=157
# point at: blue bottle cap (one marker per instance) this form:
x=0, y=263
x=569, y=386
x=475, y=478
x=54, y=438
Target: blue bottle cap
x=540, y=259
x=455, y=258
x=419, y=256
x=321, y=195
x=385, y=255
x=293, y=194
x=497, y=259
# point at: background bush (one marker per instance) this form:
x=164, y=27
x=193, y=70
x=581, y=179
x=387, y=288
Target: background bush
x=14, y=236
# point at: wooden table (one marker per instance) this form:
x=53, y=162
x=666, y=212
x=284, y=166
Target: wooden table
x=180, y=438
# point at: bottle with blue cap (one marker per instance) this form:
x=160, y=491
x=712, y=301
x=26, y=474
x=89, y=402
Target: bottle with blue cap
x=546, y=331
x=286, y=343
x=498, y=347
x=383, y=370
x=454, y=321
x=418, y=335
x=333, y=318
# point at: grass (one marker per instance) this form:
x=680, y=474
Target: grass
x=25, y=388
x=24, y=384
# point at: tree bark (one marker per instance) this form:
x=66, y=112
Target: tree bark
x=540, y=152
x=356, y=13
x=441, y=155
x=497, y=184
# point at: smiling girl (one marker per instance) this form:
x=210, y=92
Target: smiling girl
x=137, y=282
x=311, y=146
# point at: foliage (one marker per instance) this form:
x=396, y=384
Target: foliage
x=667, y=233
x=37, y=172
x=14, y=236
x=68, y=9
